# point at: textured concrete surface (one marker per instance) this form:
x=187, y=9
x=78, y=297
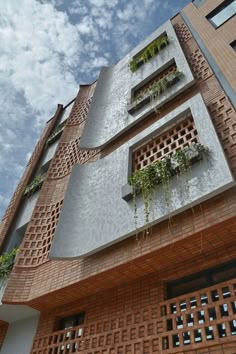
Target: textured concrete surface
x=48, y=153
x=108, y=116
x=94, y=215
x=20, y=336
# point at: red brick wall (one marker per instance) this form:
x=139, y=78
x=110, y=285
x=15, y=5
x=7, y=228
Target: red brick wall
x=3, y=332
x=219, y=48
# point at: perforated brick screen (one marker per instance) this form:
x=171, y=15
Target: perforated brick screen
x=181, y=135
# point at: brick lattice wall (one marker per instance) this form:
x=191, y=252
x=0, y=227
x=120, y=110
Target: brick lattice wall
x=182, y=134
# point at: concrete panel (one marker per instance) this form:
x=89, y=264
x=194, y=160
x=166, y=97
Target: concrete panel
x=25, y=211
x=48, y=153
x=20, y=336
x=15, y=239
x=108, y=115
x=94, y=215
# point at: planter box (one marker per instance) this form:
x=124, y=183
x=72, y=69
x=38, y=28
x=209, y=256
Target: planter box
x=193, y=155
x=34, y=186
x=135, y=106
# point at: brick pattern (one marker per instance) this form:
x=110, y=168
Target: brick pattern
x=111, y=337
x=11, y=211
x=206, y=316
x=122, y=320
x=222, y=112
x=177, y=137
x=216, y=40
x=67, y=154
x=3, y=332
x=223, y=116
x=200, y=68
x=133, y=320
x=160, y=76
x=183, y=32
x=79, y=112
x=13, y=200
x=39, y=234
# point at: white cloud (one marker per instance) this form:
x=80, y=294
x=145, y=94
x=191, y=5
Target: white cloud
x=46, y=52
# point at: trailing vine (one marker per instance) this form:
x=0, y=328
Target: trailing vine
x=158, y=87
x=149, y=52
x=6, y=264
x=144, y=181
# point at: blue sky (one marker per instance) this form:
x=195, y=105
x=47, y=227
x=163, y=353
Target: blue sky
x=49, y=48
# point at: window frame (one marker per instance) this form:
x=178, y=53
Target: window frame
x=217, y=11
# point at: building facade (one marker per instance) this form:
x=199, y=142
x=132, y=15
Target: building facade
x=112, y=260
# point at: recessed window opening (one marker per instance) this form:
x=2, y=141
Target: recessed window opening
x=233, y=45
x=202, y=280
x=222, y=13
x=72, y=321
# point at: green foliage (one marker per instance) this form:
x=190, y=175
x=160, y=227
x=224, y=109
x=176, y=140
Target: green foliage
x=35, y=185
x=56, y=133
x=159, y=87
x=145, y=181
x=6, y=264
x=149, y=52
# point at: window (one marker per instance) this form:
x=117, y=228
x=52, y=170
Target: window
x=233, y=45
x=222, y=13
x=201, y=280
x=72, y=321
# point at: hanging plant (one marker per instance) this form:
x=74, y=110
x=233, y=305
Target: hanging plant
x=149, y=52
x=6, y=264
x=155, y=90
x=35, y=185
x=144, y=181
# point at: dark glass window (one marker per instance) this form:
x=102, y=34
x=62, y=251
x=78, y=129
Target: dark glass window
x=202, y=280
x=72, y=321
x=233, y=45
x=222, y=13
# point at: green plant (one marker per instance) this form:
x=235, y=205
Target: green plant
x=145, y=181
x=6, y=264
x=149, y=52
x=56, y=133
x=34, y=185
x=158, y=87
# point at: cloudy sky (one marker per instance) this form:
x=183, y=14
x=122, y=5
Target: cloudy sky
x=47, y=49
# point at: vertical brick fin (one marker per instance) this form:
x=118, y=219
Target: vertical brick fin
x=68, y=154
x=181, y=135
x=222, y=112
x=224, y=118
x=39, y=234
x=200, y=68
x=15, y=201
x=182, y=32
x=3, y=332
x=79, y=112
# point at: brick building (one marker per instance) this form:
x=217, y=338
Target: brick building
x=111, y=276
